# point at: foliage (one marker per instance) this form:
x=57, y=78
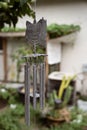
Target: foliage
x=11, y=29
x=58, y=101
x=8, y=122
x=65, y=83
x=67, y=126
x=10, y=119
x=18, y=111
x=63, y=94
x=35, y=114
x=24, y=51
x=83, y=97
x=55, y=30
x=9, y=94
x=4, y=94
x=12, y=9
x=13, y=118
x=73, y=125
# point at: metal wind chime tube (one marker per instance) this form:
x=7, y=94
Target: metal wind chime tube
x=41, y=76
x=43, y=85
x=34, y=85
x=27, y=94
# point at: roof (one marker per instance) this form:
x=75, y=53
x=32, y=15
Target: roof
x=12, y=34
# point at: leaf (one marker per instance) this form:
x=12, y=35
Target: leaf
x=22, y=2
x=12, y=10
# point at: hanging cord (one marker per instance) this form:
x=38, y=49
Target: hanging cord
x=34, y=23
x=34, y=1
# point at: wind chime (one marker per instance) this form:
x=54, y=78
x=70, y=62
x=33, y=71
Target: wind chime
x=35, y=35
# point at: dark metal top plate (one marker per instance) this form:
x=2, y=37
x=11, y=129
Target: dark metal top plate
x=36, y=32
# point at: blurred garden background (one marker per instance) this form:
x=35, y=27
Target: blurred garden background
x=66, y=65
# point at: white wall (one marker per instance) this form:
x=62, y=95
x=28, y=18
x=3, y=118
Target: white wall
x=75, y=55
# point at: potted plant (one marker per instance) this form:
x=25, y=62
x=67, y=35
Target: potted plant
x=58, y=103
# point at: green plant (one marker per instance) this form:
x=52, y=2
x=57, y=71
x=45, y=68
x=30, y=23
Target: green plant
x=73, y=125
x=8, y=122
x=24, y=51
x=9, y=94
x=11, y=29
x=4, y=94
x=55, y=30
x=18, y=111
x=63, y=94
x=11, y=10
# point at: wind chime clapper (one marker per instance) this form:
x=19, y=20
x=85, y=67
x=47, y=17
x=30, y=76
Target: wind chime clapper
x=35, y=35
